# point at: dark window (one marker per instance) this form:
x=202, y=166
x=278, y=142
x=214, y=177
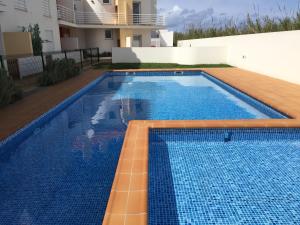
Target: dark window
x=108, y=34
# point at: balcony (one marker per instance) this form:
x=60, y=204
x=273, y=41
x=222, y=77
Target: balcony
x=93, y=18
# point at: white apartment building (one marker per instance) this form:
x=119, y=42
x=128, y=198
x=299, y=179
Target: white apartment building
x=16, y=14
x=80, y=24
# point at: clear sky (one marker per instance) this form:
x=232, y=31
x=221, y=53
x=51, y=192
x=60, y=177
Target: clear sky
x=185, y=12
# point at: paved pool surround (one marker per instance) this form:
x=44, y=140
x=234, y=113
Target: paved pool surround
x=128, y=200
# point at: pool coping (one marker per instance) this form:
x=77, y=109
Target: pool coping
x=128, y=201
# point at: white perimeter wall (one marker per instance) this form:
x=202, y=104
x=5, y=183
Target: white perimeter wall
x=166, y=38
x=273, y=54
x=186, y=56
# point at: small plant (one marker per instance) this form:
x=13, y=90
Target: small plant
x=59, y=70
x=105, y=54
x=9, y=92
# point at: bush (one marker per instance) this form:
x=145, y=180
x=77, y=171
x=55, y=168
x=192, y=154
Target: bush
x=249, y=25
x=59, y=70
x=105, y=54
x=9, y=92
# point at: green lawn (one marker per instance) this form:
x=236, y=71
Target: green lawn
x=109, y=66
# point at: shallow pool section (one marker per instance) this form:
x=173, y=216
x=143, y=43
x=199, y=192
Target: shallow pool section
x=60, y=168
x=221, y=176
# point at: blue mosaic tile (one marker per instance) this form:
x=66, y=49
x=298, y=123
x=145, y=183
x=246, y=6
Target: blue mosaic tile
x=196, y=176
x=59, y=168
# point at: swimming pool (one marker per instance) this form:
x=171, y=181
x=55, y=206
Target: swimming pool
x=60, y=168
x=224, y=176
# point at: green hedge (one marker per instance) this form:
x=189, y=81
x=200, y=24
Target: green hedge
x=59, y=70
x=9, y=92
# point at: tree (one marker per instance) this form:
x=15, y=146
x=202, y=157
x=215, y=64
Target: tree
x=37, y=42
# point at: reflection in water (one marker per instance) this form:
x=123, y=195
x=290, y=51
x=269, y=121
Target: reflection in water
x=63, y=173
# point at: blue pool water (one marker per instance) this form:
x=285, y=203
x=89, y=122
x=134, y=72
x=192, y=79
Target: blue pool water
x=220, y=176
x=59, y=170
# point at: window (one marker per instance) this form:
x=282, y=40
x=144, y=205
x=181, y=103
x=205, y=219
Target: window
x=20, y=5
x=108, y=34
x=106, y=1
x=49, y=41
x=46, y=8
x=2, y=3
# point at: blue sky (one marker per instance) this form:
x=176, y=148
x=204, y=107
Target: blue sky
x=181, y=13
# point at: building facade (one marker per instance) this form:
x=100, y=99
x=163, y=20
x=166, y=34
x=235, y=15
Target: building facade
x=15, y=15
x=79, y=24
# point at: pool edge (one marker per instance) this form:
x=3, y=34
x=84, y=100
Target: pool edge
x=133, y=207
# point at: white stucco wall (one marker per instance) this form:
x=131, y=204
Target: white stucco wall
x=146, y=36
x=13, y=20
x=185, y=56
x=272, y=54
x=96, y=38
x=166, y=38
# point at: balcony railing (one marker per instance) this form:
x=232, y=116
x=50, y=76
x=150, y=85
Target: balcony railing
x=94, y=18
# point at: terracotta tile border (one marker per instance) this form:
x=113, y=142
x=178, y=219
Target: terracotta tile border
x=129, y=197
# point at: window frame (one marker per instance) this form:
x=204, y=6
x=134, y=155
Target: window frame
x=46, y=12
x=111, y=34
x=107, y=3
x=21, y=5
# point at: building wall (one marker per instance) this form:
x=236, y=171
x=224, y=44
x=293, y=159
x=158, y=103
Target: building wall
x=272, y=54
x=80, y=34
x=95, y=6
x=148, y=6
x=185, y=56
x=1, y=43
x=166, y=38
x=96, y=38
x=146, y=36
x=12, y=20
x=124, y=35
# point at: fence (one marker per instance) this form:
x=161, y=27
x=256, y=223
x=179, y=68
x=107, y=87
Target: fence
x=21, y=66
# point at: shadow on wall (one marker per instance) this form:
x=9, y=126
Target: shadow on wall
x=127, y=55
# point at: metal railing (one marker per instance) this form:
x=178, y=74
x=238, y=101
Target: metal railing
x=19, y=67
x=65, y=14
x=92, y=18
x=99, y=18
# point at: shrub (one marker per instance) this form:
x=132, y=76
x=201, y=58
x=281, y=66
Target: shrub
x=59, y=70
x=249, y=25
x=9, y=92
x=105, y=54
x=37, y=42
